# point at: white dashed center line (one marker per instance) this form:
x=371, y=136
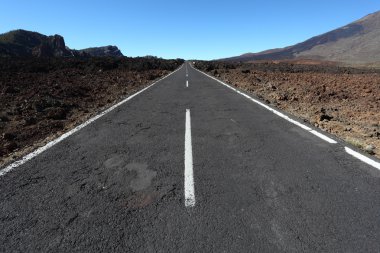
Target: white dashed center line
x=189, y=178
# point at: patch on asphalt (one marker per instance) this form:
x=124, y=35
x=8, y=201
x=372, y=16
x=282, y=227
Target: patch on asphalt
x=144, y=176
x=137, y=175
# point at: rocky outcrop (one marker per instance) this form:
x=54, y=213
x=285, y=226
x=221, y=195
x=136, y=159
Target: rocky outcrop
x=22, y=43
x=102, y=51
x=52, y=46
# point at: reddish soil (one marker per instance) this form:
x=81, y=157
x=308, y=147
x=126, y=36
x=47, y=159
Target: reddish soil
x=43, y=98
x=300, y=61
x=342, y=101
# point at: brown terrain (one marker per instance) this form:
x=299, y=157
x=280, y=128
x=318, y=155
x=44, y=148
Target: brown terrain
x=342, y=101
x=41, y=98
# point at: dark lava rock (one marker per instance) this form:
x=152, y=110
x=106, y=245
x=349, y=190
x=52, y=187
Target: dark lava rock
x=9, y=136
x=56, y=113
x=11, y=146
x=4, y=118
x=325, y=117
x=10, y=90
x=30, y=121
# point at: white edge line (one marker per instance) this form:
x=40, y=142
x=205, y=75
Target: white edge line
x=278, y=113
x=74, y=130
x=323, y=137
x=355, y=154
x=363, y=158
x=189, y=178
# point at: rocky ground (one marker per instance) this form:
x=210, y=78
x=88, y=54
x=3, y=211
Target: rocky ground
x=339, y=100
x=43, y=98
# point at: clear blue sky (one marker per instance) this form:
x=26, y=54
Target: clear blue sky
x=183, y=28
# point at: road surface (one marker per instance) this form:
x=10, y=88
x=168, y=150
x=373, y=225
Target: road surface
x=190, y=165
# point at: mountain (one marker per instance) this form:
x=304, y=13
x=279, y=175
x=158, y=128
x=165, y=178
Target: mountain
x=102, y=51
x=355, y=43
x=22, y=43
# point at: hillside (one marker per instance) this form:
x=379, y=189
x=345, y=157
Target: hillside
x=355, y=43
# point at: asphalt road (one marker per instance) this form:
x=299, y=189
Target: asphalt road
x=251, y=182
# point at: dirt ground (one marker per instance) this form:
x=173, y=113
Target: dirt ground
x=342, y=101
x=42, y=98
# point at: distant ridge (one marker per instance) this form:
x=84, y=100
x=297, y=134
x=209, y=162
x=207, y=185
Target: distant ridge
x=22, y=43
x=103, y=51
x=357, y=43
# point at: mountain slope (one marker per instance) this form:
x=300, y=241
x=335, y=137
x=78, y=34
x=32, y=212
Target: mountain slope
x=357, y=42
